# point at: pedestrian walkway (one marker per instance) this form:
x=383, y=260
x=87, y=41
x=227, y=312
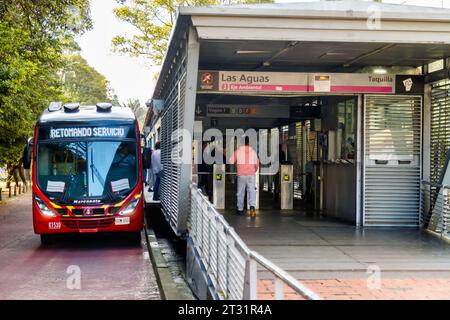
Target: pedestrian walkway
x=333, y=258
x=358, y=289
x=148, y=197
x=15, y=190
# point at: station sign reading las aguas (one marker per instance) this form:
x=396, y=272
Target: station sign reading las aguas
x=290, y=82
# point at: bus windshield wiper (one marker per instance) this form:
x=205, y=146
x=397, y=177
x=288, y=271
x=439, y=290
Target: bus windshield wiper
x=95, y=172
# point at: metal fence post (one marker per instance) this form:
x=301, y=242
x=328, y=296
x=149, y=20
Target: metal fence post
x=201, y=224
x=443, y=224
x=15, y=190
x=209, y=236
x=227, y=268
x=279, y=294
x=217, y=251
x=445, y=209
x=250, y=280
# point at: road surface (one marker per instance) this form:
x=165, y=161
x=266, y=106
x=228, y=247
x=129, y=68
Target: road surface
x=75, y=267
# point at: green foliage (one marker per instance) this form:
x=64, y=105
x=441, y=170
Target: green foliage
x=138, y=110
x=153, y=20
x=33, y=36
x=82, y=83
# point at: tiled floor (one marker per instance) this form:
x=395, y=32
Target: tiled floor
x=360, y=289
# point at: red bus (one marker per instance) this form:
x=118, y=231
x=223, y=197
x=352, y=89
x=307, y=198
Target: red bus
x=86, y=171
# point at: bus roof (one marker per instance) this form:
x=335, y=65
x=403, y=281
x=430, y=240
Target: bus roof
x=87, y=113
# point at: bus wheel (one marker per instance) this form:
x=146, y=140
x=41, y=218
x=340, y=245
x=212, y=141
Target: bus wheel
x=47, y=239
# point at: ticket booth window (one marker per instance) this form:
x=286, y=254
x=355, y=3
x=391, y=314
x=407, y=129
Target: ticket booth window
x=345, y=137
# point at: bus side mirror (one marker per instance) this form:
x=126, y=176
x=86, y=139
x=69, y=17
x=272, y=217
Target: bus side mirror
x=27, y=154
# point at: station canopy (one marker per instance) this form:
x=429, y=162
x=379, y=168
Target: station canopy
x=325, y=36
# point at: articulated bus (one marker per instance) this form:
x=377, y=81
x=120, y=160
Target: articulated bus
x=86, y=171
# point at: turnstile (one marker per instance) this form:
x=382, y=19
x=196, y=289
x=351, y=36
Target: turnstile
x=219, y=186
x=257, y=192
x=286, y=187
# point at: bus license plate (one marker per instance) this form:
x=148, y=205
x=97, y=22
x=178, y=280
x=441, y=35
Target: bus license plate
x=54, y=225
x=122, y=221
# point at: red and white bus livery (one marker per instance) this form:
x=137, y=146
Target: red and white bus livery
x=86, y=171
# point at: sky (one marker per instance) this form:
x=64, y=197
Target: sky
x=133, y=78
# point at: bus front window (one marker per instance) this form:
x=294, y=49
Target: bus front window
x=76, y=170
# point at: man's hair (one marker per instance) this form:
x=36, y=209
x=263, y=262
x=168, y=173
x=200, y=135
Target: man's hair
x=157, y=145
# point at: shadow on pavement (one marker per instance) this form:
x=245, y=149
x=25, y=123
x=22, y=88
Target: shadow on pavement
x=93, y=241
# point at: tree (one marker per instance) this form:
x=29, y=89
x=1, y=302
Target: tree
x=138, y=110
x=82, y=83
x=33, y=35
x=112, y=96
x=153, y=20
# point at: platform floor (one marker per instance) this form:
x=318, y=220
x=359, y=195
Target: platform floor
x=148, y=197
x=315, y=247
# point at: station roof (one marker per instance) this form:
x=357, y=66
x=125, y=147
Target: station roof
x=320, y=9
x=87, y=113
x=326, y=36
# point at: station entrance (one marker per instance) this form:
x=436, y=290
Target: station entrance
x=316, y=144
x=348, y=145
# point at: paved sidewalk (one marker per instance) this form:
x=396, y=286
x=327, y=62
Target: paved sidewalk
x=358, y=289
x=4, y=197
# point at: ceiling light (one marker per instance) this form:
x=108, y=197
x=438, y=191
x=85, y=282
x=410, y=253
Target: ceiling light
x=252, y=51
x=379, y=71
x=334, y=53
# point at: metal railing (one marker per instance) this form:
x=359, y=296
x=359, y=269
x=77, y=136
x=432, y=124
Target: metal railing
x=435, y=208
x=231, y=266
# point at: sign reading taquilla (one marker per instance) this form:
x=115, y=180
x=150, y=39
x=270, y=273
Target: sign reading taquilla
x=290, y=82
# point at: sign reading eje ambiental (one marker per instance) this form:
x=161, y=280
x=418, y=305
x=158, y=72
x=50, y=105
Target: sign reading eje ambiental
x=276, y=82
x=85, y=132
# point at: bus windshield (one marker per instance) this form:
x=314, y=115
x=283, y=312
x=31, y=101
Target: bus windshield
x=105, y=170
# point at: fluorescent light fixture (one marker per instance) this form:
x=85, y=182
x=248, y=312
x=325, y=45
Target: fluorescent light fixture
x=252, y=51
x=379, y=71
x=334, y=53
x=331, y=54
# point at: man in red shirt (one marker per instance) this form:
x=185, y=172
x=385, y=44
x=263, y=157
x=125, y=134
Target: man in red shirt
x=247, y=165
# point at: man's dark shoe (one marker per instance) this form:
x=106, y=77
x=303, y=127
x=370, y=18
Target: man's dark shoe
x=240, y=212
x=252, y=212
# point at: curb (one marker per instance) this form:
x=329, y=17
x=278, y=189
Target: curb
x=166, y=284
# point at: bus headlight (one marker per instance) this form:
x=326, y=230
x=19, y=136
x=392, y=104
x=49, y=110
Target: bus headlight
x=129, y=209
x=45, y=210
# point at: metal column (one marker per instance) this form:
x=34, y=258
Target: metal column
x=187, y=123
